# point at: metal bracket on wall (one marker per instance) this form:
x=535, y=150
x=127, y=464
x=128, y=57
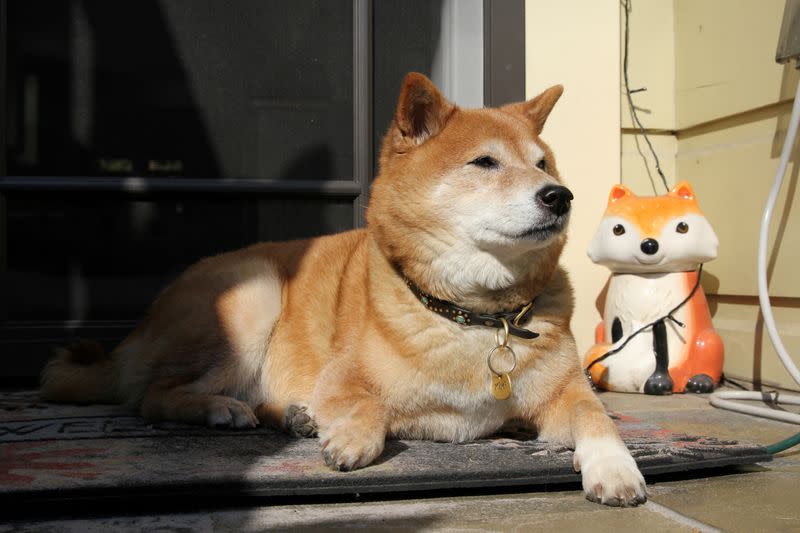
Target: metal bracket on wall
x=789, y=38
x=503, y=52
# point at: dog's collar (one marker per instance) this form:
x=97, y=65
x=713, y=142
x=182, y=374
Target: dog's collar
x=465, y=317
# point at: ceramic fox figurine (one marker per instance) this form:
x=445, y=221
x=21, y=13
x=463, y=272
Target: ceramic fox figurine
x=654, y=246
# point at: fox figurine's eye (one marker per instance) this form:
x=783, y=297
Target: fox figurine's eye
x=682, y=227
x=485, y=161
x=619, y=229
x=542, y=165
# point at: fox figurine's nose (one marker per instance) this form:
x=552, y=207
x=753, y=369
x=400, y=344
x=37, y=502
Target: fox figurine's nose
x=556, y=198
x=649, y=246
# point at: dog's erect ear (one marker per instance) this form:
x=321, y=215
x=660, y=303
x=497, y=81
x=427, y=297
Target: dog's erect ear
x=538, y=109
x=422, y=111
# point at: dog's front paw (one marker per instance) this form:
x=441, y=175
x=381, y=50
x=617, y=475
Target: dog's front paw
x=610, y=475
x=346, y=446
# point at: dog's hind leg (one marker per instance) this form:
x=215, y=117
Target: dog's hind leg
x=214, y=410
x=294, y=419
x=299, y=422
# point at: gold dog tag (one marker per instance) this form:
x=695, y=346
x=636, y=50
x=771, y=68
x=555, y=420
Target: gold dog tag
x=501, y=386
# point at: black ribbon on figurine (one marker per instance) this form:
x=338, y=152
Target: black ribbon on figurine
x=668, y=316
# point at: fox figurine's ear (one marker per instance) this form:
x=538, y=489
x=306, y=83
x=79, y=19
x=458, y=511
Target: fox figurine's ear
x=422, y=110
x=538, y=109
x=618, y=192
x=683, y=190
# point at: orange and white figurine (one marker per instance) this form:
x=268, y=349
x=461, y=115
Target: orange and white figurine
x=656, y=335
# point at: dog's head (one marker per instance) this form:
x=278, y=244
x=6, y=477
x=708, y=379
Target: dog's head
x=468, y=201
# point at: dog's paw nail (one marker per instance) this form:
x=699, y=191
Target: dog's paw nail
x=328, y=458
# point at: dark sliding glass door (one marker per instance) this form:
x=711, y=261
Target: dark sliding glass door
x=142, y=135
x=138, y=136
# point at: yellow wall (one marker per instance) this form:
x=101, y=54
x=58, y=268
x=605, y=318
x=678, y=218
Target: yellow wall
x=575, y=43
x=651, y=65
x=730, y=113
x=725, y=57
x=718, y=106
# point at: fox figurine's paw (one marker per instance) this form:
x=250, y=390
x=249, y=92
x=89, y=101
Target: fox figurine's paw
x=610, y=475
x=347, y=445
x=658, y=384
x=700, y=383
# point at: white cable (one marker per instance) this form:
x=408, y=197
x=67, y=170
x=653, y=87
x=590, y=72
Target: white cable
x=721, y=399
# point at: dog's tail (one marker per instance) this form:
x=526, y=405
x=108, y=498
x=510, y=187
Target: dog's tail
x=81, y=373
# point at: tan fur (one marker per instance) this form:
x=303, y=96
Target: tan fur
x=330, y=324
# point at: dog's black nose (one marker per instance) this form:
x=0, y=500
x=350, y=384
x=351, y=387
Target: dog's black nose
x=649, y=246
x=556, y=198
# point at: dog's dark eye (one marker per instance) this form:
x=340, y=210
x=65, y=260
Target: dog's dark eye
x=485, y=161
x=682, y=227
x=619, y=229
x=542, y=164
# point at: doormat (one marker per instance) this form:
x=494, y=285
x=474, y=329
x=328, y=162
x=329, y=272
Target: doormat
x=59, y=452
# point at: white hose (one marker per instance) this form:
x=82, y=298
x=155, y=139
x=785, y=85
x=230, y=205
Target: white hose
x=722, y=399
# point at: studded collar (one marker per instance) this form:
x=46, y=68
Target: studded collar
x=465, y=317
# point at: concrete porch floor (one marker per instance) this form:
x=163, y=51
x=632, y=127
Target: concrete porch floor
x=753, y=498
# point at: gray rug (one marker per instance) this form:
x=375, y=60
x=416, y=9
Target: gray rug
x=56, y=452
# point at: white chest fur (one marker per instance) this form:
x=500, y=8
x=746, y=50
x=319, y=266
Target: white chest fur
x=456, y=404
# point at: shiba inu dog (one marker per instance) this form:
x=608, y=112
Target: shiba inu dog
x=444, y=319
x=653, y=246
